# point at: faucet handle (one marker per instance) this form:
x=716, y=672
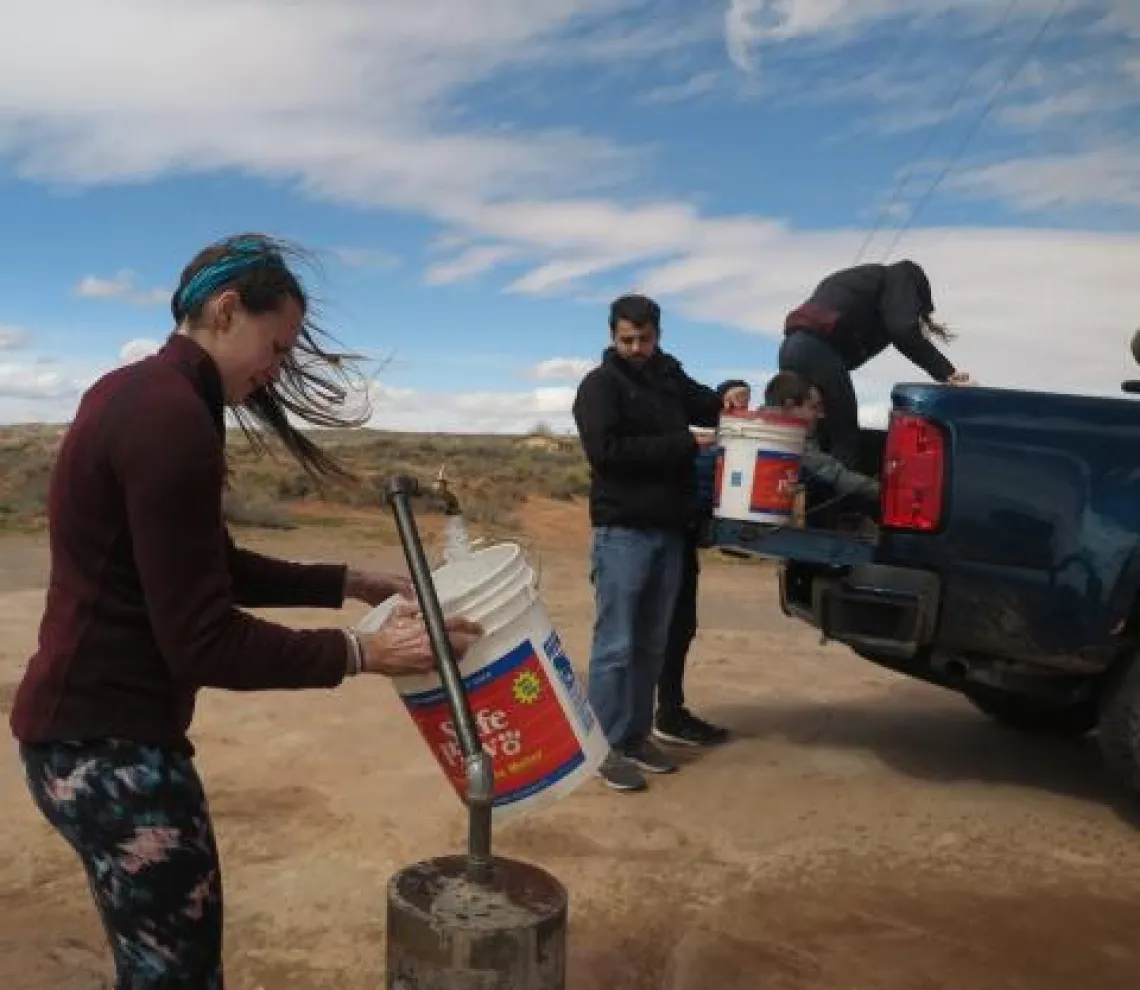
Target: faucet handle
x=441, y=488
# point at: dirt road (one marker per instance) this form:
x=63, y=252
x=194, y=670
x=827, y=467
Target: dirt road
x=862, y=831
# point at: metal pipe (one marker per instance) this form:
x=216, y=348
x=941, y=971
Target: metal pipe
x=479, y=772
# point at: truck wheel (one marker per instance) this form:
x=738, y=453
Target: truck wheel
x=1119, y=731
x=1037, y=718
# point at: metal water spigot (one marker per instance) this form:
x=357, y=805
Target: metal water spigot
x=478, y=767
x=440, y=488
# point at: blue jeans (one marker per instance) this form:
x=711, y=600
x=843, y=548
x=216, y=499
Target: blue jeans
x=636, y=575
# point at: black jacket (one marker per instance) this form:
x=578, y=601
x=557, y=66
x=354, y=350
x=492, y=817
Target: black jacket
x=863, y=310
x=634, y=427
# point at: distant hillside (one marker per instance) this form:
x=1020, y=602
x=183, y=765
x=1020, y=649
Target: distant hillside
x=491, y=475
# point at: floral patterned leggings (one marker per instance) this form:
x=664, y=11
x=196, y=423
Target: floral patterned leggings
x=137, y=817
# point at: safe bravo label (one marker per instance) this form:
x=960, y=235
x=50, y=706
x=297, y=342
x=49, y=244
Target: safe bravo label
x=520, y=722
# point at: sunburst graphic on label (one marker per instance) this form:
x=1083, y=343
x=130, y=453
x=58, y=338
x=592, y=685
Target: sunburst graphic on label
x=526, y=688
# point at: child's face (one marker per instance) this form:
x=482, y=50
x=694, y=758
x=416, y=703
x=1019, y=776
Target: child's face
x=810, y=410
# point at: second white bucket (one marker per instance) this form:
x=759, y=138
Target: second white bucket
x=530, y=709
x=758, y=467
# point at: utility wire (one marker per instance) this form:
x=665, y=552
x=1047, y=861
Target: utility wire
x=901, y=186
x=981, y=119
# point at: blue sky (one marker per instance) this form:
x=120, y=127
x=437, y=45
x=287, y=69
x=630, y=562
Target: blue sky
x=481, y=176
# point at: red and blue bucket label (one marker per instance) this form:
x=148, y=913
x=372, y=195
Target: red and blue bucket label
x=562, y=666
x=774, y=481
x=775, y=478
x=519, y=719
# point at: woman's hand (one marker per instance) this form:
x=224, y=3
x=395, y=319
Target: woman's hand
x=372, y=588
x=402, y=645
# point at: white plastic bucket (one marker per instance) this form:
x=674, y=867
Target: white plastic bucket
x=758, y=467
x=460, y=580
x=530, y=709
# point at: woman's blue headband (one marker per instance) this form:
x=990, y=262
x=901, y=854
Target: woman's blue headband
x=244, y=255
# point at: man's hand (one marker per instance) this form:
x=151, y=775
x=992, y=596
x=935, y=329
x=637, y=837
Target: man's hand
x=372, y=588
x=705, y=436
x=959, y=378
x=736, y=398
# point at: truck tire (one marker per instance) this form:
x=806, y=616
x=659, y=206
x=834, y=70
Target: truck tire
x=1119, y=731
x=1015, y=711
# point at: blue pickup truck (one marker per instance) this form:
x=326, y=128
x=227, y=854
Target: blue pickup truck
x=1006, y=562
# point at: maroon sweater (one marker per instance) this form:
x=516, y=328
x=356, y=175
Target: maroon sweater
x=142, y=602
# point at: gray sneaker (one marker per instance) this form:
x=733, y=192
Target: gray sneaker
x=649, y=757
x=621, y=774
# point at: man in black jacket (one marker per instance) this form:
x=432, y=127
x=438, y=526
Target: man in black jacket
x=633, y=414
x=852, y=316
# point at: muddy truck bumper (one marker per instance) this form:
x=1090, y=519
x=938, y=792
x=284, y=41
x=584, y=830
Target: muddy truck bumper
x=876, y=609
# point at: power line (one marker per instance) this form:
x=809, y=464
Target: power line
x=986, y=111
x=900, y=187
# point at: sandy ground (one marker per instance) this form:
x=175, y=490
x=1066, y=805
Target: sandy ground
x=862, y=832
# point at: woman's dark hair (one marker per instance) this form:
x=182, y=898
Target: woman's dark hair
x=929, y=326
x=314, y=382
x=932, y=328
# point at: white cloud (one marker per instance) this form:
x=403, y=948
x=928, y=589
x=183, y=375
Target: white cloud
x=136, y=350
x=753, y=24
x=874, y=415
x=1058, y=81
x=350, y=99
x=504, y=411
x=468, y=264
x=375, y=259
x=1016, y=295
x=695, y=85
x=36, y=387
x=361, y=102
x=1105, y=177
x=120, y=287
x=562, y=369
x=27, y=381
x=13, y=338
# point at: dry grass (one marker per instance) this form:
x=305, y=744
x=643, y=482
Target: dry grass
x=491, y=475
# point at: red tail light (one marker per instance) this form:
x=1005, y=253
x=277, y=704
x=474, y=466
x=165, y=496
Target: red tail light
x=913, y=473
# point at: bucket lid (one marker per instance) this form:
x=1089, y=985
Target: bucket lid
x=521, y=583
x=460, y=578
x=787, y=429
x=463, y=583
x=770, y=416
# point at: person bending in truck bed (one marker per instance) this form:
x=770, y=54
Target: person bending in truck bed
x=633, y=414
x=852, y=316
x=143, y=604
x=792, y=395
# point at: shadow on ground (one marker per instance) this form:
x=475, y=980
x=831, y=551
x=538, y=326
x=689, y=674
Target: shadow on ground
x=944, y=742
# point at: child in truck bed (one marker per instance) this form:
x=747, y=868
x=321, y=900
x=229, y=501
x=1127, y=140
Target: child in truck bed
x=791, y=394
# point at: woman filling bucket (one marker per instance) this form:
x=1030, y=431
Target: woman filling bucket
x=142, y=608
